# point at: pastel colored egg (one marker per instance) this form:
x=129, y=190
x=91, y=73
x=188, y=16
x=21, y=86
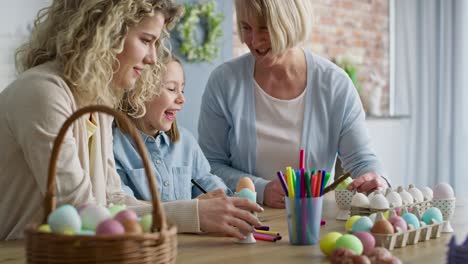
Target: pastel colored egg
x=443, y=191
x=350, y=222
x=344, y=184
x=110, y=227
x=44, y=228
x=350, y=242
x=360, y=200
x=146, y=221
x=245, y=183
x=126, y=215
x=367, y=240
x=398, y=222
x=411, y=219
x=362, y=224
x=114, y=209
x=328, y=242
x=432, y=213
x=132, y=227
x=92, y=215
x=64, y=218
x=382, y=226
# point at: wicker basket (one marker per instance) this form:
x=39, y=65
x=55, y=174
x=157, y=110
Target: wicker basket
x=159, y=246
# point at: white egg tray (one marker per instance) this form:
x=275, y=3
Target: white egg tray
x=410, y=237
x=421, y=206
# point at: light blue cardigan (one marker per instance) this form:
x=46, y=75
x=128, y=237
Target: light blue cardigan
x=334, y=122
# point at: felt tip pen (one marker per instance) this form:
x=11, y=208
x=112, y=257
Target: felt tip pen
x=198, y=186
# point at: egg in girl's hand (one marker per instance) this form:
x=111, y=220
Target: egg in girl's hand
x=443, y=191
x=110, y=227
x=328, y=242
x=432, y=213
x=92, y=215
x=64, y=219
x=245, y=183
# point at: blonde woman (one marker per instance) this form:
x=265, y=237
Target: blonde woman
x=81, y=52
x=260, y=109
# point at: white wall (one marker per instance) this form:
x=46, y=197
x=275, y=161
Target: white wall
x=389, y=141
x=15, y=19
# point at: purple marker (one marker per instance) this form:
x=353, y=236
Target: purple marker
x=283, y=183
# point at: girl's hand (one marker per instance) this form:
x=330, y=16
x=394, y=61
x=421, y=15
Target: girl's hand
x=223, y=215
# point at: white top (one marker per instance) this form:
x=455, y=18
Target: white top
x=278, y=127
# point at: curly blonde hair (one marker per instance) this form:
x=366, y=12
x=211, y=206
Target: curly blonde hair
x=84, y=36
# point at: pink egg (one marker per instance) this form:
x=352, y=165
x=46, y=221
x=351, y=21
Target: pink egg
x=367, y=239
x=110, y=227
x=399, y=222
x=126, y=215
x=443, y=191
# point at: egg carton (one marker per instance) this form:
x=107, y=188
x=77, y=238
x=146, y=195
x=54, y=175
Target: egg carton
x=366, y=211
x=410, y=237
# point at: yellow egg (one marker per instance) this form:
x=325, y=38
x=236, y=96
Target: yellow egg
x=132, y=226
x=44, y=228
x=244, y=183
x=328, y=242
x=349, y=224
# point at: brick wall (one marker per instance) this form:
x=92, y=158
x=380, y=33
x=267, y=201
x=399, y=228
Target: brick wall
x=356, y=29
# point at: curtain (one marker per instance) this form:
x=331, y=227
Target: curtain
x=431, y=75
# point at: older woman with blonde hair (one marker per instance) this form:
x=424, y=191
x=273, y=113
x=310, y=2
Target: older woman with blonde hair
x=81, y=52
x=260, y=109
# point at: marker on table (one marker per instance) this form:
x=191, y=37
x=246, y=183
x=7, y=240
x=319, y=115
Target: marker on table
x=198, y=186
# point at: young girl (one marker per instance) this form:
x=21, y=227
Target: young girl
x=81, y=52
x=177, y=158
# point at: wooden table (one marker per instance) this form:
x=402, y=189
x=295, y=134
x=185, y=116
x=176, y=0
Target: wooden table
x=221, y=250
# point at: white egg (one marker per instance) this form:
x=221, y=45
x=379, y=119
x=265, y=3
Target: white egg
x=379, y=202
x=360, y=200
x=394, y=199
x=406, y=197
x=416, y=193
x=427, y=193
x=443, y=191
x=92, y=215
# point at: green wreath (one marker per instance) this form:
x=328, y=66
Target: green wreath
x=190, y=47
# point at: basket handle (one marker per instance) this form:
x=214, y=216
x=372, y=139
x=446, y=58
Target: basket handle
x=159, y=220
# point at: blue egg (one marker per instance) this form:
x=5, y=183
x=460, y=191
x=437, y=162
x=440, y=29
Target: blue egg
x=411, y=219
x=432, y=213
x=64, y=219
x=362, y=224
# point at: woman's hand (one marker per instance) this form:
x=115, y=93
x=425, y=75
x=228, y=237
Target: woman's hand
x=224, y=215
x=368, y=182
x=273, y=196
x=213, y=194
